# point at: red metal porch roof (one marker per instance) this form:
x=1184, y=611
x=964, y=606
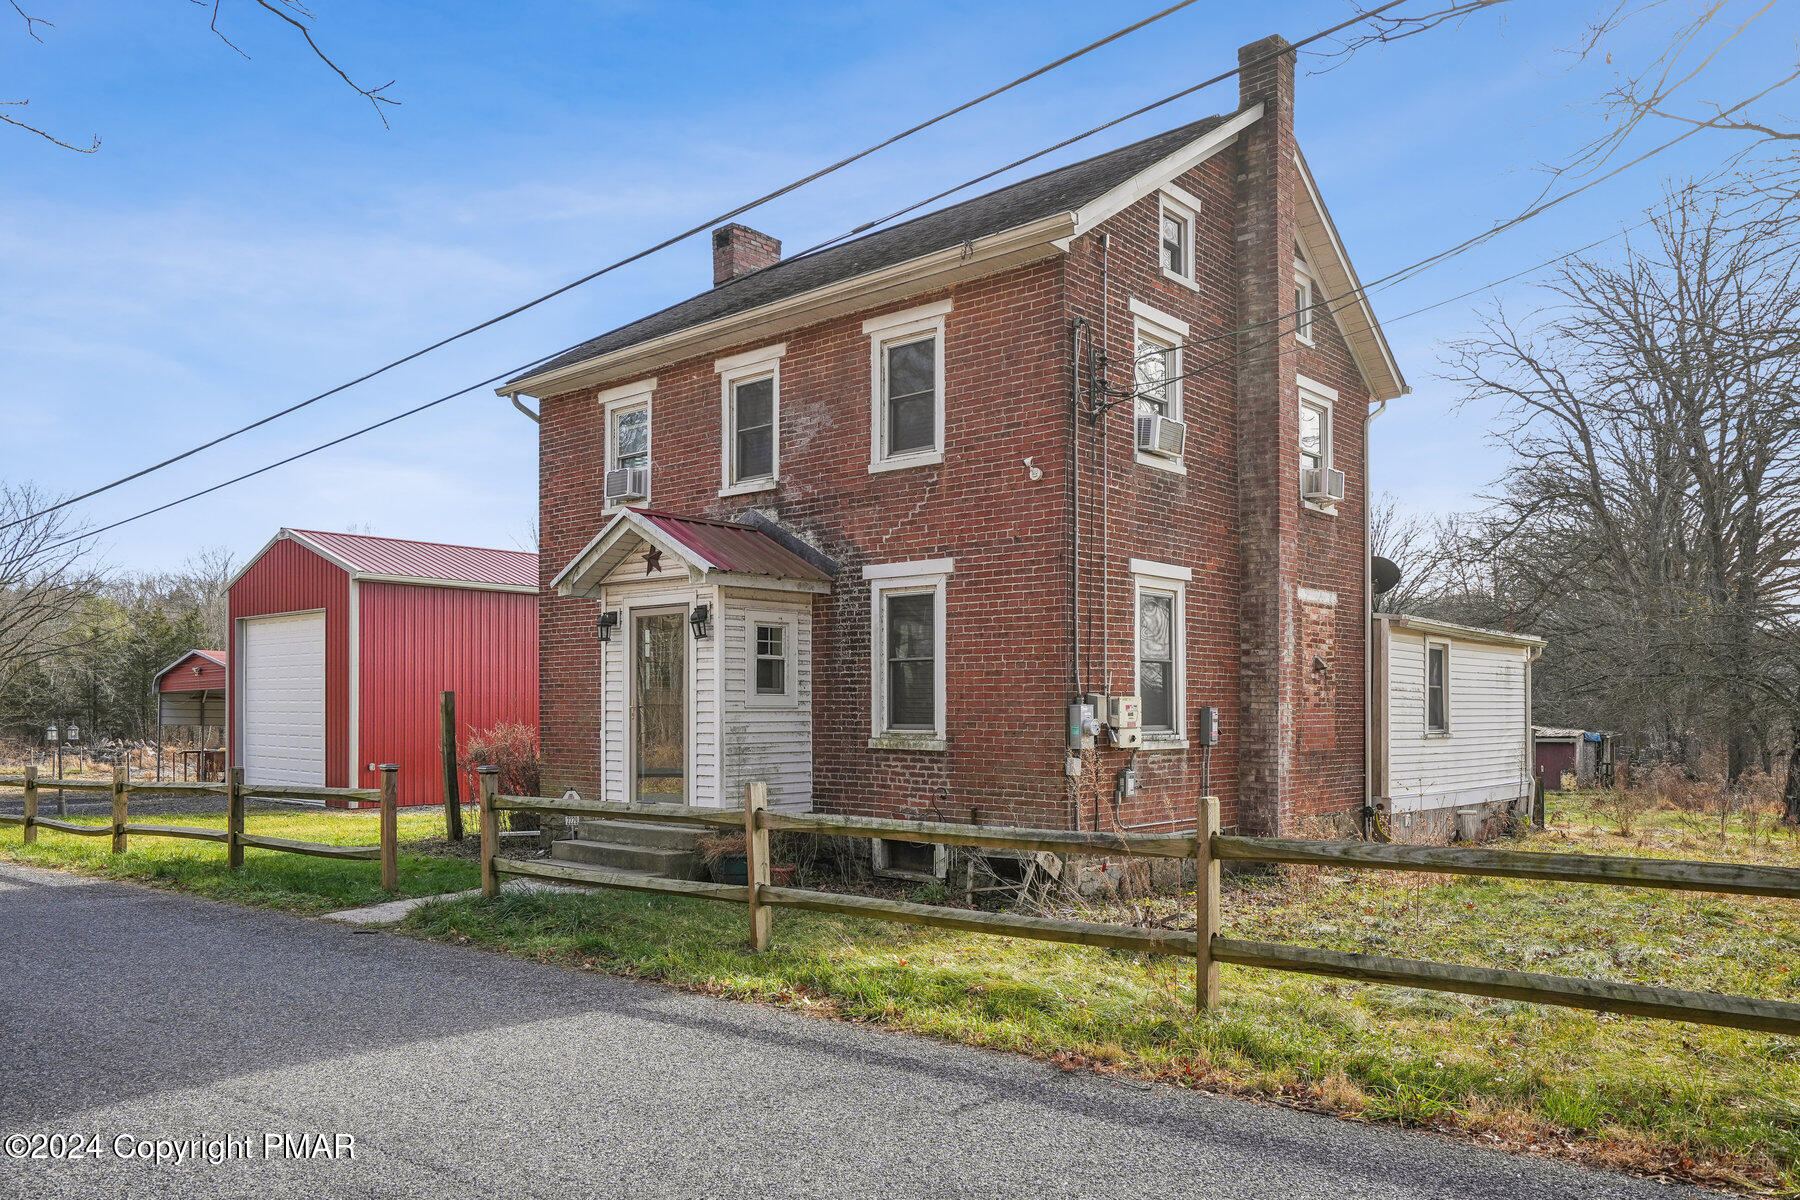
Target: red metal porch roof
x=733, y=548
x=405, y=559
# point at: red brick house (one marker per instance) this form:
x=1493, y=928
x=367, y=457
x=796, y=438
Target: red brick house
x=866, y=522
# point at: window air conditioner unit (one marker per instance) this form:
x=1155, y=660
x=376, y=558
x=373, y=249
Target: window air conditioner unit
x=1160, y=435
x=627, y=483
x=1322, y=485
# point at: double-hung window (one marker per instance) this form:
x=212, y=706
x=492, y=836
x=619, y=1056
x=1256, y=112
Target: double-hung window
x=1437, y=687
x=1305, y=298
x=907, y=656
x=627, y=451
x=1157, y=338
x=631, y=437
x=1315, y=435
x=1161, y=590
x=1157, y=365
x=771, y=660
x=770, y=638
x=907, y=387
x=750, y=417
x=1176, y=222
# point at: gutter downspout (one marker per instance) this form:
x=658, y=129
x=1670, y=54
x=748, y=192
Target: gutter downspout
x=1369, y=828
x=513, y=396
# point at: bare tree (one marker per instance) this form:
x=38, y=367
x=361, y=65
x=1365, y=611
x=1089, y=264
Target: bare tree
x=293, y=14
x=1651, y=525
x=1427, y=550
x=44, y=581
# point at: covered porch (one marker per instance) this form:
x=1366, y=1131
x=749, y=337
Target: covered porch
x=705, y=655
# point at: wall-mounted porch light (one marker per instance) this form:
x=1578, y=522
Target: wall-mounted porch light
x=607, y=623
x=699, y=618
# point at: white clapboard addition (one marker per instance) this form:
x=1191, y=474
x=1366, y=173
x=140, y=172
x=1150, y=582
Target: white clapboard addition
x=1480, y=753
x=768, y=737
x=281, y=677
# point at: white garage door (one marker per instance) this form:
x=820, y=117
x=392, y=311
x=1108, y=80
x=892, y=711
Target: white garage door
x=282, y=676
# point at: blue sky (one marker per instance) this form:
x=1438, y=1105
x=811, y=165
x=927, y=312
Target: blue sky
x=250, y=234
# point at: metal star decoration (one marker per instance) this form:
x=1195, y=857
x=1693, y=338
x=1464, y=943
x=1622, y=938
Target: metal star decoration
x=652, y=561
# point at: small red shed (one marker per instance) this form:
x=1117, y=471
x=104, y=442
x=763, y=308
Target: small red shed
x=191, y=692
x=342, y=643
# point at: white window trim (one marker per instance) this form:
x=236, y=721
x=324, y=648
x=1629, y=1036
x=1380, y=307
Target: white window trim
x=1165, y=579
x=1164, y=328
x=747, y=368
x=1318, y=396
x=906, y=325
x=1179, y=203
x=928, y=575
x=1304, y=277
x=1425, y=694
x=620, y=399
x=790, y=646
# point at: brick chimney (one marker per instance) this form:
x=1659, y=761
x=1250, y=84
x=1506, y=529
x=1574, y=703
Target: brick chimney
x=739, y=250
x=1268, y=432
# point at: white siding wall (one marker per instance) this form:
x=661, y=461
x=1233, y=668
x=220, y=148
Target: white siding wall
x=1482, y=758
x=767, y=739
x=668, y=589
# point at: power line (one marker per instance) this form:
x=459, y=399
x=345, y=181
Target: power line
x=1289, y=49
x=1101, y=128
x=593, y=275
x=1361, y=290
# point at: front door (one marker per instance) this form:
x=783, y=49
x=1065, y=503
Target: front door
x=659, y=710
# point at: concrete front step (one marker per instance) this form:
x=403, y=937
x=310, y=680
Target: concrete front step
x=641, y=833
x=668, y=861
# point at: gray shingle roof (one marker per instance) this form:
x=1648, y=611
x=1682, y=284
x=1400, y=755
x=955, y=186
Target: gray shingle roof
x=1062, y=190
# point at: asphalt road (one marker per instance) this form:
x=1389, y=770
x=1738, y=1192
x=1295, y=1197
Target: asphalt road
x=130, y=1015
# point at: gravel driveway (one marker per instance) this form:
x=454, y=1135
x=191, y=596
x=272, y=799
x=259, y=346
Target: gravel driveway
x=132, y=1015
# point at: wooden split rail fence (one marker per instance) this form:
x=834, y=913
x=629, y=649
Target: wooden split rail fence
x=1208, y=850
x=233, y=836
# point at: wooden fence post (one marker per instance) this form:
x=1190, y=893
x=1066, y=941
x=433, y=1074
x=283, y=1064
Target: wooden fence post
x=31, y=799
x=453, y=825
x=390, y=826
x=234, y=818
x=756, y=861
x=119, y=802
x=489, y=780
x=1206, y=905
x=1537, y=800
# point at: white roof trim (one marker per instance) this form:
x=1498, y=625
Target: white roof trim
x=1158, y=175
x=574, y=579
x=1331, y=268
x=1467, y=633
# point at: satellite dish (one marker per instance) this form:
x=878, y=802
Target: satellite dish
x=1386, y=575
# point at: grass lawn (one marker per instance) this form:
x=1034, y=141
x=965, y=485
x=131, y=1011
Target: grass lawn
x=270, y=878
x=1677, y=1100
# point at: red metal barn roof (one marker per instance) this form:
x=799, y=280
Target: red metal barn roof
x=398, y=558
x=733, y=548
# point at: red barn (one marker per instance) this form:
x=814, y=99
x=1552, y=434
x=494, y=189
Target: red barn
x=341, y=644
